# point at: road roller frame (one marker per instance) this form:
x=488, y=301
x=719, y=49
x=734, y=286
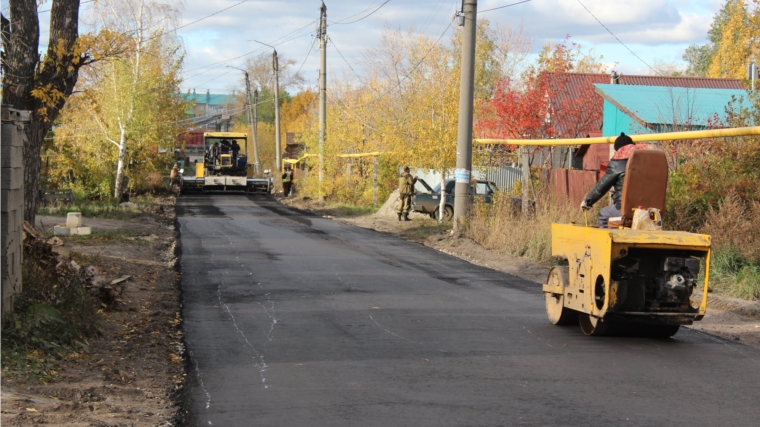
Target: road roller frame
x=619, y=279
x=593, y=288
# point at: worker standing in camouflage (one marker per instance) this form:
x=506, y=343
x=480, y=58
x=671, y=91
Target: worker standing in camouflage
x=405, y=190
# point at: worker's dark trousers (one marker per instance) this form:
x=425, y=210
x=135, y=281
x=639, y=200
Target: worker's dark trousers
x=286, y=188
x=607, y=213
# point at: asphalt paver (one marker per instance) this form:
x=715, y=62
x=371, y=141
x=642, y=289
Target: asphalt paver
x=292, y=319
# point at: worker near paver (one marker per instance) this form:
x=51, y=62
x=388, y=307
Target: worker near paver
x=235, y=147
x=405, y=190
x=612, y=180
x=214, y=152
x=174, y=177
x=287, y=181
x=225, y=147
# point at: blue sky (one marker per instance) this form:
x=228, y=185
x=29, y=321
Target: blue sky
x=656, y=30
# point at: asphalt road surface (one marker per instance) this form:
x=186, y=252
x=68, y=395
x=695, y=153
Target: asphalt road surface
x=297, y=320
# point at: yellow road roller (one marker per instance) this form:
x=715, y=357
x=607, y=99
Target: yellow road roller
x=620, y=280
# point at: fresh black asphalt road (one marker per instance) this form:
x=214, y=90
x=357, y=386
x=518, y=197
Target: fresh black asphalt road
x=297, y=320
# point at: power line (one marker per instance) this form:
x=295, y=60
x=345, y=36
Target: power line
x=307, y=55
x=274, y=42
x=344, y=59
x=363, y=17
x=502, y=7
x=80, y=3
x=616, y=38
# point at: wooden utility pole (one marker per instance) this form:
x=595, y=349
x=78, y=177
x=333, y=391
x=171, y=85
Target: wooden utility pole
x=466, y=93
x=322, y=92
x=277, y=141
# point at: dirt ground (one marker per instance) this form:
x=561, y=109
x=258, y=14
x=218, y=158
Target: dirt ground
x=135, y=366
x=726, y=317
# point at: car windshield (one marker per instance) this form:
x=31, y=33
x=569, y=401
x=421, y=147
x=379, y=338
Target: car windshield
x=449, y=187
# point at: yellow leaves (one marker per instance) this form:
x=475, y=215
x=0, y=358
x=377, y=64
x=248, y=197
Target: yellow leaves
x=48, y=94
x=174, y=358
x=734, y=48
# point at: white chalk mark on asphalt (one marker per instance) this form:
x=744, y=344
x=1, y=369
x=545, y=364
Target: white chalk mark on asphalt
x=258, y=356
x=200, y=380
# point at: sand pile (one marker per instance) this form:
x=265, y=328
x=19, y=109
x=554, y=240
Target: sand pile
x=390, y=208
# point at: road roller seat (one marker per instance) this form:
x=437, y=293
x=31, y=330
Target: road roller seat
x=645, y=184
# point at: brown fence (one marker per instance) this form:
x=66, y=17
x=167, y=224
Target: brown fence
x=572, y=184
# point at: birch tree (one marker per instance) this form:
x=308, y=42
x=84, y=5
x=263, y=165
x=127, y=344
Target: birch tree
x=130, y=80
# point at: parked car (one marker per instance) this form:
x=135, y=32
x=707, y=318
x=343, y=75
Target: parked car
x=428, y=203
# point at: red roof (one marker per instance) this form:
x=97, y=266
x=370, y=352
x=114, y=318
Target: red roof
x=574, y=85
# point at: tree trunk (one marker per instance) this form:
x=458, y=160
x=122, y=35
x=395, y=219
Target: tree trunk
x=118, y=188
x=23, y=72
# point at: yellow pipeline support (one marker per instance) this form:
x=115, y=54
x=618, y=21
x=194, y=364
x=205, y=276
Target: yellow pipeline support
x=669, y=136
x=357, y=155
x=295, y=161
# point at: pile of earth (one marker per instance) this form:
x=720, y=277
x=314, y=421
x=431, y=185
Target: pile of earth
x=390, y=208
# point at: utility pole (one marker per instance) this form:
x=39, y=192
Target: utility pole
x=525, y=179
x=322, y=92
x=255, y=128
x=466, y=93
x=256, y=163
x=277, y=142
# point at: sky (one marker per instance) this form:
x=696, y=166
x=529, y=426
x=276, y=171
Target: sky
x=655, y=30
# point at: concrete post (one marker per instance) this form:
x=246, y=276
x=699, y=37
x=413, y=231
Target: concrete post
x=322, y=92
x=12, y=200
x=466, y=94
x=277, y=142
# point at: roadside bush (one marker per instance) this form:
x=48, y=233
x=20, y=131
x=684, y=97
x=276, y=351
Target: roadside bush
x=735, y=269
x=51, y=318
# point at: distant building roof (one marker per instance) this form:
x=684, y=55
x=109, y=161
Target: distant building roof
x=571, y=85
x=213, y=98
x=671, y=105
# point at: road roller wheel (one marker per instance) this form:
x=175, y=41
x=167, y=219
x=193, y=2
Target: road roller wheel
x=556, y=311
x=593, y=326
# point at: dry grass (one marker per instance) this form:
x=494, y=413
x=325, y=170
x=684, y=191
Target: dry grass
x=735, y=224
x=502, y=228
x=736, y=247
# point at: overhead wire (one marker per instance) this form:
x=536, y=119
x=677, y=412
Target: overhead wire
x=502, y=7
x=274, y=42
x=344, y=59
x=340, y=22
x=80, y=3
x=307, y=55
x=616, y=38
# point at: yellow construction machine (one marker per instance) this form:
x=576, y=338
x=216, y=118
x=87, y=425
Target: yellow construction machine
x=628, y=280
x=223, y=166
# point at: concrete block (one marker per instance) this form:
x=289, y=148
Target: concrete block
x=12, y=174
x=82, y=231
x=74, y=219
x=12, y=156
x=12, y=200
x=60, y=230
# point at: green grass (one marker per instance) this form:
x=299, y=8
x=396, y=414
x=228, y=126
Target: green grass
x=110, y=236
x=731, y=274
x=51, y=319
x=340, y=209
x=94, y=209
